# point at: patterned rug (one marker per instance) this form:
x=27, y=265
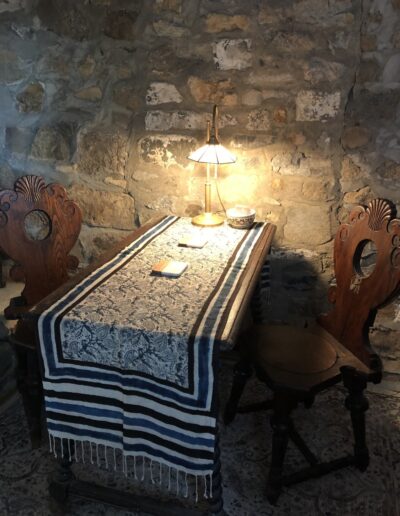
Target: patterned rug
x=245, y=457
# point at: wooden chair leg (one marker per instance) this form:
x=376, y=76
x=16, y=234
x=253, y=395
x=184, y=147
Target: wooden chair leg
x=241, y=373
x=30, y=388
x=357, y=404
x=2, y=282
x=281, y=426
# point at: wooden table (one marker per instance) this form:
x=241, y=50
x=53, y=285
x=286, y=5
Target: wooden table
x=214, y=296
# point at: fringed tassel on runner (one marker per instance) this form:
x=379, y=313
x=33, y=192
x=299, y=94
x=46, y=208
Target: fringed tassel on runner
x=69, y=448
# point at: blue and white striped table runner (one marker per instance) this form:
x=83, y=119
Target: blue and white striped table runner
x=129, y=357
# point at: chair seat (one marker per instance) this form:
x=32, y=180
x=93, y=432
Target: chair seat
x=300, y=358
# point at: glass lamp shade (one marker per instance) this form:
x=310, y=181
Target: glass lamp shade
x=212, y=153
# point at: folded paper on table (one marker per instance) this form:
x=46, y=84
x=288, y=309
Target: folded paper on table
x=196, y=241
x=171, y=268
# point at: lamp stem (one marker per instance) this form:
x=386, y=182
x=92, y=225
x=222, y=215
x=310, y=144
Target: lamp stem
x=207, y=192
x=207, y=201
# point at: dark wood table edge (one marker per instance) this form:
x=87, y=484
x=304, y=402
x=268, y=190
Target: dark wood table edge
x=248, y=285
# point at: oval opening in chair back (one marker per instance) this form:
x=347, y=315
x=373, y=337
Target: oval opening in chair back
x=365, y=258
x=37, y=225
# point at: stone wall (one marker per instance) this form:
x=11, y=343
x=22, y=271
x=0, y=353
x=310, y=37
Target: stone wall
x=109, y=97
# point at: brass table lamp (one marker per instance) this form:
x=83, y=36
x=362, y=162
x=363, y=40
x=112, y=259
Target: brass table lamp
x=211, y=153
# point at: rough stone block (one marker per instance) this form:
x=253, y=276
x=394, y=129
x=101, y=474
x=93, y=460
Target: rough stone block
x=166, y=151
x=223, y=22
x=31, y=98
x=10, y=67
x=325, y=13
x=69, y=19
x=355, y=137
x=121, y=25
x=52, y=143
x=297, y=164
x=280, y=115
x=238, y=188
x=102, y=152
x=269, y=15
x=7, y=177
x=124, y=72
x=18, y=140
x=170, y=30
x=263, y=79
x=308, y=224
x=92, y=94
x=119, y=183
x=248, y=142
x=396, y=39
x=312, y=106
x=341, y=40
x=126, y=96
x=258, y=120
x=389, y=171
x=361, y=196
x=12, y=5
x=315, y=189
x=369, y=70
x=288, y=42
x=350, y=171
x=95, y=241
x=158, y=121
x=87, y=67
x=104, y=208
x=391, y=71
x=162, y=204
x=163, y=121
x=169, y=5
x=252, y=98
x=388, y=143
x=162, y=93
x=233, y=54
x=319, y=70
x=218, y=92
x=286, y=188
x=368, y=42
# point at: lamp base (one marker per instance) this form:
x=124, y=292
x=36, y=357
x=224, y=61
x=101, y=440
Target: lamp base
x=207, y=219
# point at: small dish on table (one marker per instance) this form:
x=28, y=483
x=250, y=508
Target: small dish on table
x=241, y=217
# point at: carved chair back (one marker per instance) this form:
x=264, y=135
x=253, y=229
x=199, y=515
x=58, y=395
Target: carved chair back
x=38, y=228
x=358, y=295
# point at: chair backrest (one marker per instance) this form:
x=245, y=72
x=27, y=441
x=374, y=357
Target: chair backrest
x=38, y=228
x=358, y=294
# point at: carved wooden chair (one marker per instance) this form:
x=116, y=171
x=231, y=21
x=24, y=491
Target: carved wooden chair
x=297, y=363
x=2, y=282
x=38, y=228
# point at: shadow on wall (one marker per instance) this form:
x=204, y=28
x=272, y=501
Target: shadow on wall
x=299, y=286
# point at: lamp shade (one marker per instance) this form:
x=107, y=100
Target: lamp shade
x=212, y=153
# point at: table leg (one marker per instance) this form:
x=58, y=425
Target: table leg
x=59, y=485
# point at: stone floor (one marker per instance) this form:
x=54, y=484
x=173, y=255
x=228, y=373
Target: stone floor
x=245, y=453
x=245, y=456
